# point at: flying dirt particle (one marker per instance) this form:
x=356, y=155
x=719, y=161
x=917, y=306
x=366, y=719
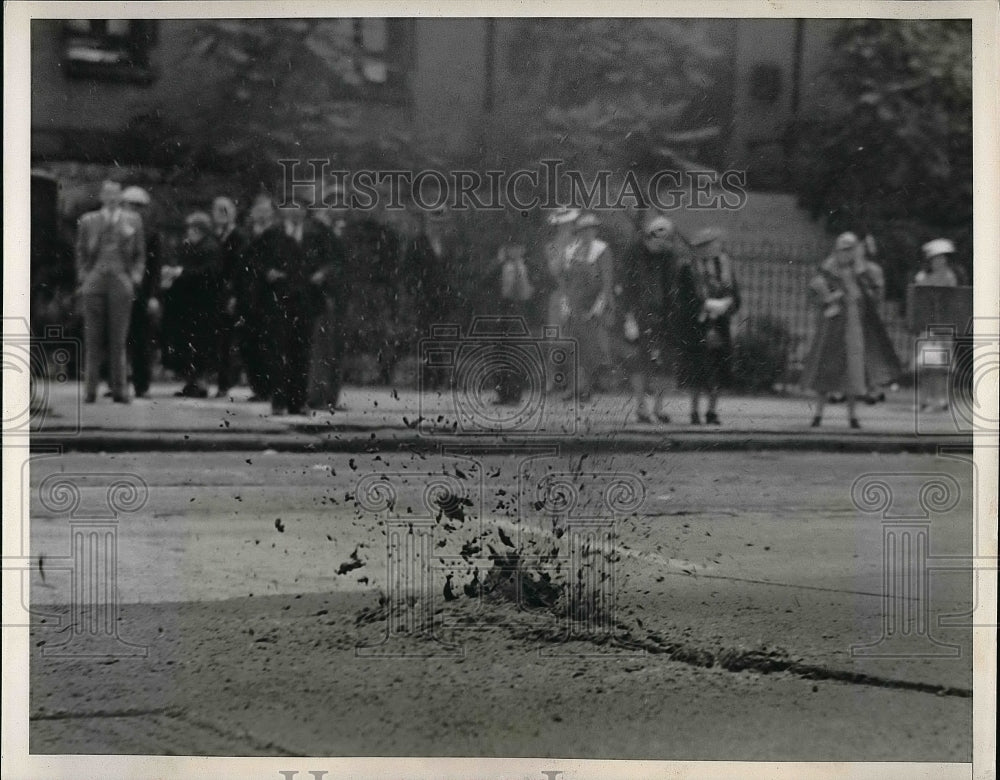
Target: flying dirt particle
x=504, y=538
x=279, y=525
x=352, y=564
x=449, y=593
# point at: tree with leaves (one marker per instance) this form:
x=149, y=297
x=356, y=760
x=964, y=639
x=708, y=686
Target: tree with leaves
x=616, y=93
x=893, y=156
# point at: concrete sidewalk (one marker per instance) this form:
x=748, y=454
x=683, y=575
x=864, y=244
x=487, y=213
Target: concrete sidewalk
x=401, y=419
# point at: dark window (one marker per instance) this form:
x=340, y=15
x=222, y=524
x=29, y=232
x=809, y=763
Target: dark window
x=109, y=49
x=371, y=55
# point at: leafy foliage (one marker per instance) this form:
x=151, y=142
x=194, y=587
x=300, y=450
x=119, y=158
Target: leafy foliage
x=615, y=91
x=894, y=157
x=291, y=88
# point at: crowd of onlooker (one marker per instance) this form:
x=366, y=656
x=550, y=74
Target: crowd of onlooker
x=266, y=294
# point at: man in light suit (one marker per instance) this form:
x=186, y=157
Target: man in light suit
x=110, y=262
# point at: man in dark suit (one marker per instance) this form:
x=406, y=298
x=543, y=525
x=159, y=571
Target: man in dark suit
x=110, y=263
x=146, y=307
x=325, y=256
x=233, y=242
x=283, y=306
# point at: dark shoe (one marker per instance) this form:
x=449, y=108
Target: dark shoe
x=108, y=394
x=711, y=418
x=122, y=399
x=278, y=411
x=663, y=417
x=90, y=398
x=855, y=423
x=695, y=419
x=817, y=421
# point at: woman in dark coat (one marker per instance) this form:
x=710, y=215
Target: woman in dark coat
x=707, y=298
x=851, y=350
x=647, y=279
x=190, y=318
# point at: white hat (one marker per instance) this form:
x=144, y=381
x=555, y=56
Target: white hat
x=587, y=221
x=846, y=241
x=659, y=224
x=939, y=246
x=136, y=195
x=563, y=215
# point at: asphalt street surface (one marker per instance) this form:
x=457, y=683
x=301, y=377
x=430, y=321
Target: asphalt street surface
x=660, y=605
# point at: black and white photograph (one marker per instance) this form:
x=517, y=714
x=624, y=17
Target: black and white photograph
x=541, y=391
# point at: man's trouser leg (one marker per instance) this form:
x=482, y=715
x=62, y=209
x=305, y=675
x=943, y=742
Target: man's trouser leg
x=119, y=303
x=94, y=338
x=139, y=347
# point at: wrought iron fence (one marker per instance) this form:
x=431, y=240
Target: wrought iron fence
x=774, y=283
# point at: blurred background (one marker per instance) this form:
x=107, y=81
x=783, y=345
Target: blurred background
x=862, y=125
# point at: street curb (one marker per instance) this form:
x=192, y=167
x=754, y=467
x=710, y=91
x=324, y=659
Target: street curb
x=388, y=440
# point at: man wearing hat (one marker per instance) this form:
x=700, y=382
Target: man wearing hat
x=110, y=262
x=146, y=307
x=648, y=289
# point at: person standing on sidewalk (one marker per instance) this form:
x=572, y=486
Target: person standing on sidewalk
x=110, y=262
x=285, y=305
x=707, y=298
x=934, y=357
x=190, y=321
x=561, y=222
x=851, y=350
x=648, y=281
x=233, y=243
x=324, y=258
x=515, y=291
x=146, y=308
x=587, y=277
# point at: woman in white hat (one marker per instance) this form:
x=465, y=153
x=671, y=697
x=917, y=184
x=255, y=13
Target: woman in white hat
x=561, y=221
x=851, y=350
x=586, y=277
x=934, y=354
